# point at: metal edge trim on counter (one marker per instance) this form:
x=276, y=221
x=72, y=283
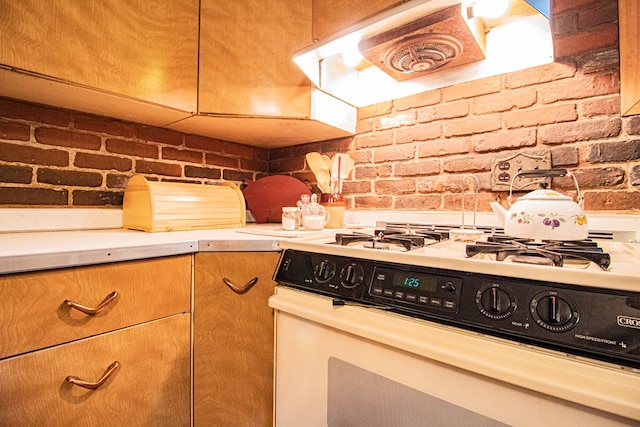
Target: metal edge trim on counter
x=25, y=263
x=612, y=389
x=239, y=246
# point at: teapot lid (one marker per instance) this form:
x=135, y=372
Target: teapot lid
x=545, y=194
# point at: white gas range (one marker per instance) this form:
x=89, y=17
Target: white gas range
x=562, y=333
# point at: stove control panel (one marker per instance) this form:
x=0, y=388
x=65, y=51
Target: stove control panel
x=416, y=289
x=596, y=322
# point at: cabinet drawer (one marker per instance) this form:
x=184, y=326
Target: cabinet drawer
x=151, y=386
x=34, y=315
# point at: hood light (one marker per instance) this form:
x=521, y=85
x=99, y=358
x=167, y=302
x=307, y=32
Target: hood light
x=490, y=9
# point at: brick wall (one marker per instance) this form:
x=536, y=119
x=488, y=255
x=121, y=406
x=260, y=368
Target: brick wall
x=54, y=157
x=411, y=153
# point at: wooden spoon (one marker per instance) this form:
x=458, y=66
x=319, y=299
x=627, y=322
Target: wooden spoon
x=315, y=162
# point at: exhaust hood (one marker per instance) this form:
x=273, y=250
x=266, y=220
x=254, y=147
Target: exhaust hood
x=423, y=45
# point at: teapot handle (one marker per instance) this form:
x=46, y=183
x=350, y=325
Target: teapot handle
x=545, y=173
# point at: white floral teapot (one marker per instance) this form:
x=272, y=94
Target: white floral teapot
x=544, y=214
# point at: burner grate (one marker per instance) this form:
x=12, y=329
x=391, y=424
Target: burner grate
x=556, y=252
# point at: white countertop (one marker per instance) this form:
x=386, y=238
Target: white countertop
x=29, y=251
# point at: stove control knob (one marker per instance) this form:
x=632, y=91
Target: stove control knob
x=352, y=275
x=325, y=271
x=495, y=303
x=554, y=312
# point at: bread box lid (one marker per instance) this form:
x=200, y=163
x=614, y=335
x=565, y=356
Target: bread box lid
x=171, y=206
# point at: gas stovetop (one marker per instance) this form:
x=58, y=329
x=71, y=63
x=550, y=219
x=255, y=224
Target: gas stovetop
x=599, y=261
x=579, y=297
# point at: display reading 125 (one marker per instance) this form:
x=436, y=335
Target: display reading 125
x=415, y=281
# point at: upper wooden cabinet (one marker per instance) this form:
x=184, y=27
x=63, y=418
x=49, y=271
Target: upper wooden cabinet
x=143, y=49
x=628, y=16
x=330, y=16
x=246, y=50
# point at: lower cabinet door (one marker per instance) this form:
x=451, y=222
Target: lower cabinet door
x=150, y=384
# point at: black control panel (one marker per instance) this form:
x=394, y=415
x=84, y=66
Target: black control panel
x=590, y=322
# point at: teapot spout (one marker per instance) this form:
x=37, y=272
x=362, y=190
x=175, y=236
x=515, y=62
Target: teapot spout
x=500, y=212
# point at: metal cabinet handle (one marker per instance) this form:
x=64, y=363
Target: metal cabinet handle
x=86, y=384
x=93, y=310
x=238, y=289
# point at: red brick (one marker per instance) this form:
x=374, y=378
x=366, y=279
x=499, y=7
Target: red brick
x=396, y=120
x=396, y=153
x=335, y=145
x=200, y=172
x=158, y=168
x=97, y=198
x=554, y=113
x=15, y=131
x=633, y=125
x=65, y=138
x=357, y=187
x=373, y=202
x=204, y=143
x=504, y=101
x=165, y=136
x=132, y=148
x=600, y=61
x=278, y=166
x=394, y=186
x=102, y=162
x=104, y=125
x=33, y=196
x=67, y=177
x=33, y=113
x=600, y=13
x=564, y=156
x=423, y=99
x=506, y=140
x=33, y=155
x=468, y=164
x=376, y=139
x=419, y=202
x=117, y=180
x=428, y=167
x=472, y=125
x=444, y=147
x=423, y=132
x=375, y=110
x=170, y=153
x=437, y=184
x=16, y=174
x=373, y=172
x=579, y=131
x=472, y=89
x=236, y=176
x=540, y=74
x=239, y=150
x=364, y=126
x=579, y=88
x=612, y=201
x=603, y=106
x=558, y=6
x=254, y=165
x=585, y=41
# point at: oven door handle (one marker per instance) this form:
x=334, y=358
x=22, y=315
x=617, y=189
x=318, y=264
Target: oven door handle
x=240, y=289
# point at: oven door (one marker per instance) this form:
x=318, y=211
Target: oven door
x=358, y=366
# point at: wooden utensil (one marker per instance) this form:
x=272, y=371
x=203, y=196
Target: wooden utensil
x=314, y=161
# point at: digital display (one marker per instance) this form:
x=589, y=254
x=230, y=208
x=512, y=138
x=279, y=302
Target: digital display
x=418, y=282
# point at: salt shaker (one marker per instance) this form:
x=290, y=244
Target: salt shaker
x=289, y=218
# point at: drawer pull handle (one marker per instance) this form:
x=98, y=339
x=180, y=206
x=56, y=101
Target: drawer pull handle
x=239, y=289
x=86, y=384
x=93, y=310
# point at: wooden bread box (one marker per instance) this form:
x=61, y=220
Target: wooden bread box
x=171, y=206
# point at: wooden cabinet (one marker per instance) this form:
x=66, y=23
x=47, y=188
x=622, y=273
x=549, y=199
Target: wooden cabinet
x=330, y=17
x=46, y=337
x=628, y=18
x=246, y=51
x=233, y=339
x=102, y=57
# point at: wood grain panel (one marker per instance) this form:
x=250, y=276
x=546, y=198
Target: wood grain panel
x=246, y=65
x=150, y=388
x=33, y=314
x=233, y=340
x=330, y=16
x=629, y=16
x=145, y=49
